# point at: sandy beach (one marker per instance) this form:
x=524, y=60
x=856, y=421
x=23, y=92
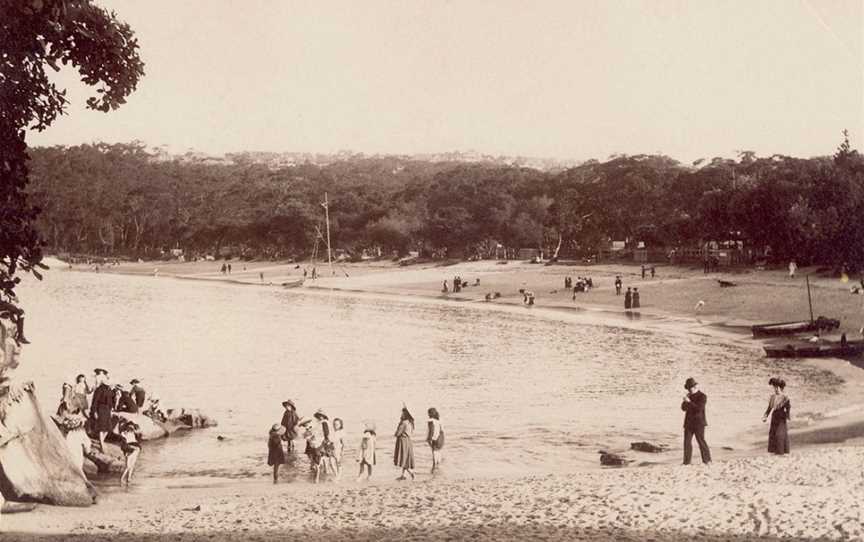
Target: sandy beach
x=809, y=495
x=813, y=494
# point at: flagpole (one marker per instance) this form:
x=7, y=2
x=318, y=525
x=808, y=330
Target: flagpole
x=809, y=300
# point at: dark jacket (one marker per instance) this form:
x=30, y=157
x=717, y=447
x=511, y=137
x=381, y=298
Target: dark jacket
x=289, y=422
x=140, y=395
x=694, y=409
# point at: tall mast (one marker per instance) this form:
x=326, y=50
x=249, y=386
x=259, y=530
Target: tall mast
x=327, y=218
x=809, y=300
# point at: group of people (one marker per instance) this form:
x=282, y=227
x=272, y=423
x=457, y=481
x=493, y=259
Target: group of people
x=647, y=269
x=325, y=443
x=632, y=299
x=86, y=408
x=582, y=284
x=458, y=284
x=695, y=419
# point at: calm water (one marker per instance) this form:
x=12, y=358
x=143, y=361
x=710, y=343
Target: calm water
x=520, y=391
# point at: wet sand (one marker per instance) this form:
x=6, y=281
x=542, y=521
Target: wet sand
x=810, y=495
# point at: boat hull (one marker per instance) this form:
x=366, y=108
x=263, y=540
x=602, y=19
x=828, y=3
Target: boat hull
x=832, y=350
x=791, y=328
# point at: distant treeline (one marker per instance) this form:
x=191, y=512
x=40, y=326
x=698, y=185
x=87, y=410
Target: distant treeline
x=118, y=200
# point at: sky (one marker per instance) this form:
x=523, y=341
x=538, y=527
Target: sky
x=573, y=79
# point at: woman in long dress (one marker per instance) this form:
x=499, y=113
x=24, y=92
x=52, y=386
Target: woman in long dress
x=403, y=455
x=275, y=453
x=779, y=409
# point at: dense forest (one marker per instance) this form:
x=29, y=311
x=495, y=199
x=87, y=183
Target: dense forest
x=119, y=200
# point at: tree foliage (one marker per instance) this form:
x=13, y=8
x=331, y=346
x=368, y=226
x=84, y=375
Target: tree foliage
x=121, y=200
x=36, y=35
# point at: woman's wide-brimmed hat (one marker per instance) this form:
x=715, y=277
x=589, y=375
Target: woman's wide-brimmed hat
x=278, y=428
x=305, y=421
x=689, y=383
x=287, y=402
x=321, y=414
x=100, y=371
x=134, y=381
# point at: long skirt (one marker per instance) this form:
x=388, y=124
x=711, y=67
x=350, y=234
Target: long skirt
x=778, y=436
x=403, y=455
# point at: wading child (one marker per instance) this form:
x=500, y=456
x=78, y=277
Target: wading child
x=131, y=447
x=276, y=455
x=339, y=444
x=435, y=438
x=366, y=453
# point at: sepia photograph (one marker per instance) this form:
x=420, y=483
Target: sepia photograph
x=444, y=270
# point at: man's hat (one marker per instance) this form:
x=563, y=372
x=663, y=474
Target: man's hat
x=321, y=414
x=287, y=402
x=134, y=381
x=100, y=371
x=689, y=383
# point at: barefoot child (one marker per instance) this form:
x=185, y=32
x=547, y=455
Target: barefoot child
x=131, y=447
x=276, y=455
x=435, y=438
x=366, y=454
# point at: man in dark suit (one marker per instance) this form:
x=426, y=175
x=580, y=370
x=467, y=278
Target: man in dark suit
x=695, y=421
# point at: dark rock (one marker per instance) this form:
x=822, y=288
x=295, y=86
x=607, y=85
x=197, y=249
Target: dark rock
x=612, y=460
x=648, y=447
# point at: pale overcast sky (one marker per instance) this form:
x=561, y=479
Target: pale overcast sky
x=570, y=79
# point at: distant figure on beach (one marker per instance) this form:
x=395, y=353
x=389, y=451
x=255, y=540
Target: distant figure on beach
x=138, y=393
x=435, y=437
x=699, y=305
x=568, y=283
x=792, y=268
x=275, y=453
x=224, y=269
x=403, y=454
x=635, y=298
x=305, y=272
x=618, y=284
x=314, y=273
x=101, y=407
x=366, y=450
x=652, y=271
x=130, y=432
x=628, y=299
x=643, y=272
x=289, y=422
x=695, y=421
x=229, y=268
x=445, y=289
x=80, y=391
x=706, y=265
x=779, y=408
x=261, y=276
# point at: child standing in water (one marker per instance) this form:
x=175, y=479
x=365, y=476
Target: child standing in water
x=339, y=444
x=276, y=454
x=366, y=453
x=131, y=447
x=435, y=438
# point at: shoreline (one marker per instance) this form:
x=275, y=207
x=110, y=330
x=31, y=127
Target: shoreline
x=255, y=509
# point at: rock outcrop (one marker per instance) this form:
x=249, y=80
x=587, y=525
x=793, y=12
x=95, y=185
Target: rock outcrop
x=648, y=447
x=35, y=462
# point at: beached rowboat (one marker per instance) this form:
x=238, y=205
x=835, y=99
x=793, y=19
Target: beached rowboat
x=816, y=350
x=791, y=328
x=293, y=283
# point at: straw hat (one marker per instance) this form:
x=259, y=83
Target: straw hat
x=287, y=402
x=321, y=414
x=278, y=429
